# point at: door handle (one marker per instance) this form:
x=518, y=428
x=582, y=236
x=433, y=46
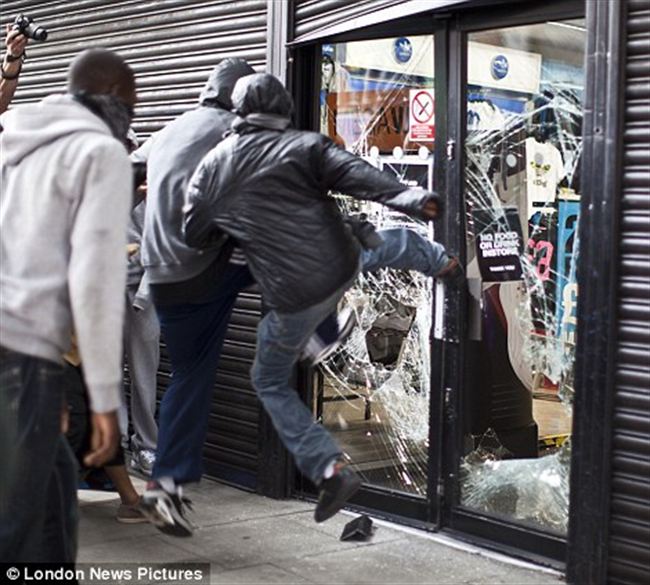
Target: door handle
x=451, y=150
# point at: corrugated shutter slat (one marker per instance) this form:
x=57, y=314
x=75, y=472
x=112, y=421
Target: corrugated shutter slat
x=312, y=15
x=172, y=45
x=629, y=536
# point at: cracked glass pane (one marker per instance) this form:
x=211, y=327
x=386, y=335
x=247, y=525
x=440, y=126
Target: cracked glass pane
x=373, y=394
x=522, y=194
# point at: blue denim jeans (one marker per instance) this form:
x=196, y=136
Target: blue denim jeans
x=38, y=474
x=282, y=336
x=194, y=334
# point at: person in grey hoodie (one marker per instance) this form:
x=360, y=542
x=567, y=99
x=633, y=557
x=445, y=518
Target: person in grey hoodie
x=193, y=292
x=66, y=193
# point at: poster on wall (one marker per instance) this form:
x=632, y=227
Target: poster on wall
x=541, y=252
x=499, y=244
x=566, y=285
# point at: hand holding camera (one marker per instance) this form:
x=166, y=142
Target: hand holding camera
x=18, y=35
x=27, y=27
x=15, y=42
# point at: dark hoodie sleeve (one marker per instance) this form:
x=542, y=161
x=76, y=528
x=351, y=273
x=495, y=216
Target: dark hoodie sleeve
x=351, y=175
x=199, y=227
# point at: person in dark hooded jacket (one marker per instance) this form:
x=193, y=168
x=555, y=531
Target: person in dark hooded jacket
x=266, y=187
x=193, y=292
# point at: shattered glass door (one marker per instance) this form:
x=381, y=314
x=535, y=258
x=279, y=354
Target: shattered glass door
x=373, y=394
x=522, y=201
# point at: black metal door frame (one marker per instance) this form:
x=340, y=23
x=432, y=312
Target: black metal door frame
x=304, y=84
x=598, y=281
x=515, y=538
x=440, y=510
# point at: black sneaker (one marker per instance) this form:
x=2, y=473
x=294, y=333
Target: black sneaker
x=335, y=491
x=166, y=511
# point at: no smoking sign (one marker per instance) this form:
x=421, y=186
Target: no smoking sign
x=421, y=115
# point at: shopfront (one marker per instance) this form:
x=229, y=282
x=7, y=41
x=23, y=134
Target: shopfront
x=457, y=406
x=513, y=412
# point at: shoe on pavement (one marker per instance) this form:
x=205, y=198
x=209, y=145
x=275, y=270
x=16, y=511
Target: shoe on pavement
x=335, y=491
x=143, y=460
x=166, y=511
x=131, y=513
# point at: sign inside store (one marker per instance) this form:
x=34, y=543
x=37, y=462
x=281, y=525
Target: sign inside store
x=402, y=50
x=380, y=118
x=499, y=66
x=421, y=115
x=499, y=244
x=503, y=68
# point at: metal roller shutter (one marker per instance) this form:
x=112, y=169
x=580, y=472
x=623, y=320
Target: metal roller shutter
x=311, y=15
x=171, y=45
x=629, y=537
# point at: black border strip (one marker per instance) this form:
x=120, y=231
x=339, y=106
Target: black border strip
x=597, y=281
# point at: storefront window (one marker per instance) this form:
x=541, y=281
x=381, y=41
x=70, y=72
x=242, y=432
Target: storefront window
x=522, y=194
x=377, y=102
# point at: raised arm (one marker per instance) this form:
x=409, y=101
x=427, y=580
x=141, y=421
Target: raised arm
x=12, y=63
x=351, y=175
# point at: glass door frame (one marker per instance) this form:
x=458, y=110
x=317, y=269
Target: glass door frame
x=304, y=84
x=453, y=351
x=440, y=510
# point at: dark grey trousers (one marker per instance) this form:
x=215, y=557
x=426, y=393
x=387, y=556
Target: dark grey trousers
x=141, y=346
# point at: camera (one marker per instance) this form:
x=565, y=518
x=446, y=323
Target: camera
x=29, y=28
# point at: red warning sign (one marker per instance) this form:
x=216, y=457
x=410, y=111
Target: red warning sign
x=421, y=115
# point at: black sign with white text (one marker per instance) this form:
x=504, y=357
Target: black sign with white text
x=499, y=244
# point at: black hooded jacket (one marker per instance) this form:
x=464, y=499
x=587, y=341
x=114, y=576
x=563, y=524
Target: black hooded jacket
x=172, y=155
x=268, y=188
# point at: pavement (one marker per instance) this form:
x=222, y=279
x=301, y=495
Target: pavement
x=251, y=539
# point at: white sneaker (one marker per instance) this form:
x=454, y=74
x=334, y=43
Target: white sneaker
x=166, y=511
x=143, y=461
x=318, y=353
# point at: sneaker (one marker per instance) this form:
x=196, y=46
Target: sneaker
x=166, y=511
x=131, y=514
x=335, y=491
x=316, y=352
x=143, y=460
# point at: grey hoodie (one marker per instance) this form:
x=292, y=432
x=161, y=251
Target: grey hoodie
x=172, y=155
x=65, y=197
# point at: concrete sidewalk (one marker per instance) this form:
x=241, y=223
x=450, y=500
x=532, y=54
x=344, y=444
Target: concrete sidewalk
x=252, y=539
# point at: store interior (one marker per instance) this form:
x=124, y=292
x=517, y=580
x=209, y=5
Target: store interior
x=522, y=197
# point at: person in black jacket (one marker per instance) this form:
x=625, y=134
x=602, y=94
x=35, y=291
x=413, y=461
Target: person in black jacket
x=193, y=291
x=266, y=187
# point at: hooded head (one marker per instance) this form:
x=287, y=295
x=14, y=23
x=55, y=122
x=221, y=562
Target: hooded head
x=261, y=93
x=219, y=86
